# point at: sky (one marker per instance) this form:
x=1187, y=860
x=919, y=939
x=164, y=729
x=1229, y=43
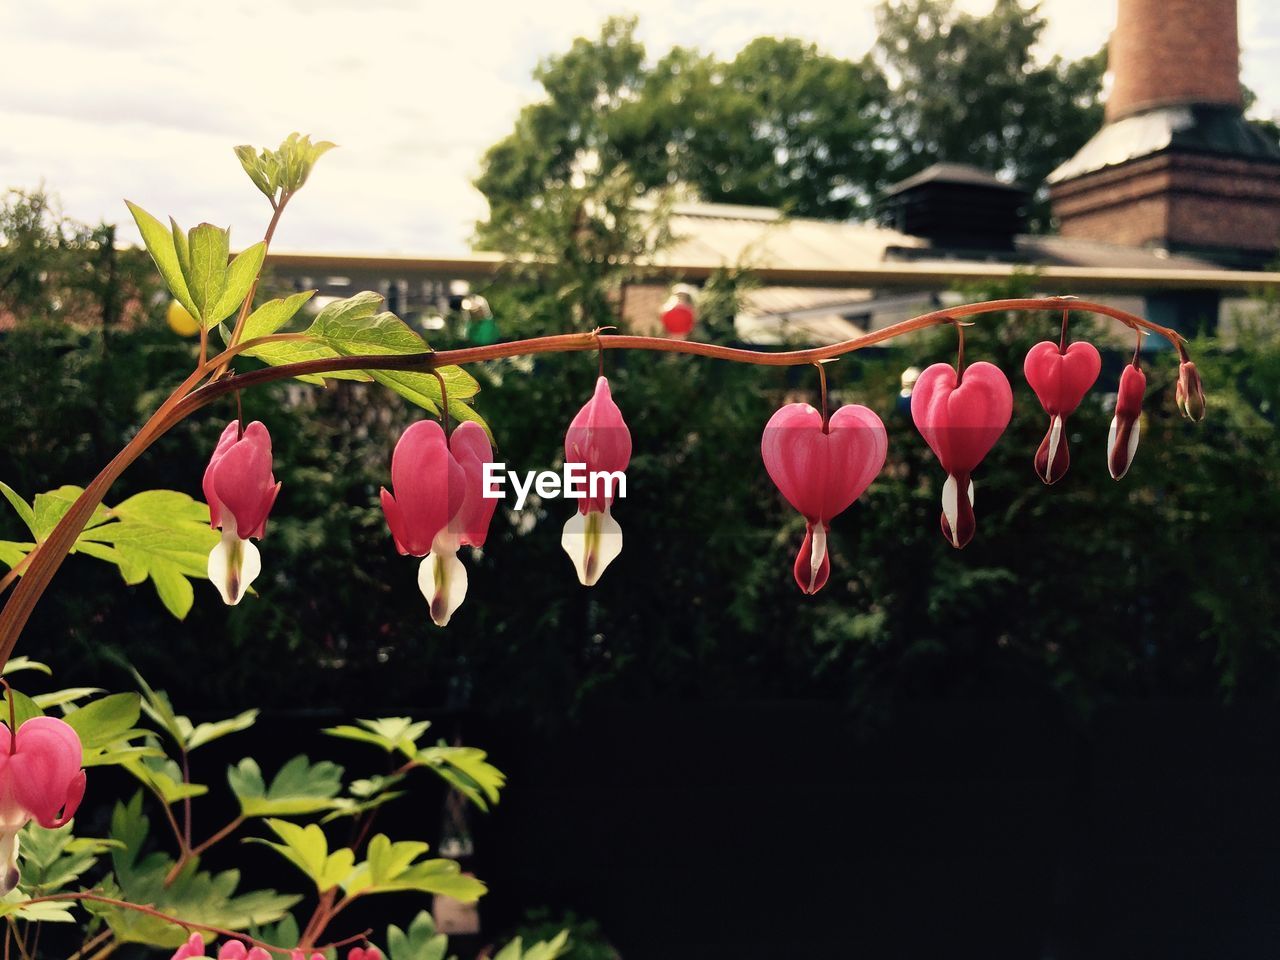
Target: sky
x=144, y=99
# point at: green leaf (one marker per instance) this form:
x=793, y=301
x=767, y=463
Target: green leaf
x=52, y=506
x=208, y=732
x=299, y=788
x=61, y=698
x=207, y=275
x=196, y=896
x=421, y=942
x=104, y=722
x=241, y=274
x=307, y=848
x=24, y=708
x=24, y=509
x=13, y=904
x=467, y=770
x=51, y=859
x=395, y=867
x=160, y=245
x=389, y=733
x=12, y=553
x=161, y=534
x=273, y=315
x=18, y=664
x=163, y=777
x=254, y=167
x=156, y=705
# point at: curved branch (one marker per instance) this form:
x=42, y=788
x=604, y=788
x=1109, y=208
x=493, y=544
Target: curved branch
x=189, y=398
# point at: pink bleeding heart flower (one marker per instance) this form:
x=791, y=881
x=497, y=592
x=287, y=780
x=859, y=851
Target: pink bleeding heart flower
x=236, y=950
x=301, y=955
x=240, y=490
x=821, y=470
x=40, y=779
x=961, y=419
x=439, y=506
x=598, y=439
x=1060, y=379
x=1122, y=441
x=364, y=953
x=1190, y=391
x=194, y=947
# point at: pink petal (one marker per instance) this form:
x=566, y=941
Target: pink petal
x=429, y=487
x=961, y=422
x=1060, y=380
x=45, y=770
x=598, y=437
x=471, y=448
x=243, y=483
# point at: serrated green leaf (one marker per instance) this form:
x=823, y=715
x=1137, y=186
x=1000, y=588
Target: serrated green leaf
x=307, y=848
x=467, y=770
x=159, y=243
x=421, y=942
x=52, y=506
x=196, y=896
x=14, y=904
x=253, y=166
x=24, y=510
x=210, y=247
x=273, y=315
x=389, y=733
x=394, y=867
x=208, y=732
x=103, y=722
x=241, y=274
x=300, y=787
x=12, y=553
x=156, y=705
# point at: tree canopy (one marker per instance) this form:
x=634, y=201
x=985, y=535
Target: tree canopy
x=785, y=124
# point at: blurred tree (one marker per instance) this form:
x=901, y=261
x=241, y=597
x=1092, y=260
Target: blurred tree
x=783, y=124
x=967, y=89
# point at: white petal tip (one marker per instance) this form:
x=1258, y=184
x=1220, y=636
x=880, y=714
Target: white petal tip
x=592, y=541
x=443, y=581
x=233, y=566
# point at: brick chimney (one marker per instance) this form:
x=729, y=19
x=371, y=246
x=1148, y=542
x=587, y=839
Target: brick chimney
x=1176, y=166
x=1173, y=52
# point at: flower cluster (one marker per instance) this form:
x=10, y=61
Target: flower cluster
x=821, y=466
x=194, y=949
x=437, y=503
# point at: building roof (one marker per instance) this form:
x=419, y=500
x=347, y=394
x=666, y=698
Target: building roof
x=1192, y=129
x=954, y=173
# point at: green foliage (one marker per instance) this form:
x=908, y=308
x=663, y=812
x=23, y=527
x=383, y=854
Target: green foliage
x=419, y=942
x=281, y=172
x=161, y=535
x=194, y=895
x=194, y=266
x=300, y=787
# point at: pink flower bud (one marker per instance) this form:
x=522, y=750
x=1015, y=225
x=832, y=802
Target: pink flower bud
x=40, y=779
x=194, y=947
x=961, y=420
x=364, y=953
x=1122, y=441
x=821, y=470
x=439, y=506
x=599, y=439
x=240, y=490
x=1190, y=391
x=1060, y=380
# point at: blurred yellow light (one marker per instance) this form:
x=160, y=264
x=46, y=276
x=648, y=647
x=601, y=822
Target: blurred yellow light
x=181, y=322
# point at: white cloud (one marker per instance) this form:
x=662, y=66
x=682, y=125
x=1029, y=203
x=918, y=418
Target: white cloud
x=144, y=98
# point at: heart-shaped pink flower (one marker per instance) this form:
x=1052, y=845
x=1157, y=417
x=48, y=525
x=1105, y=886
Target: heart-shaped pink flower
x=1060, y=379
x=821, y=471
x=961, y=418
